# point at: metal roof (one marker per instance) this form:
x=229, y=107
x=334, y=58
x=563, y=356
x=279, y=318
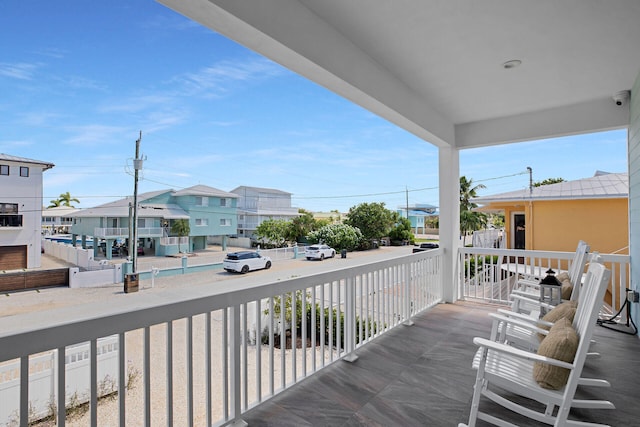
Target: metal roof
x=600, y=186
x=10, y=158
x=204, y=190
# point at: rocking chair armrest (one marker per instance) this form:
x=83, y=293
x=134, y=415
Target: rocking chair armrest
x=524, y=317
x=528, y=324
x=516, y=315
x=517, y=352
x=527, y=298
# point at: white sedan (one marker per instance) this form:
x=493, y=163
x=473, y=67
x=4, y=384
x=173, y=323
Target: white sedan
x=245, y=261
x=319, y=252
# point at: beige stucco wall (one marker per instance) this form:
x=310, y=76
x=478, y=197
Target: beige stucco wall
x=558, y=225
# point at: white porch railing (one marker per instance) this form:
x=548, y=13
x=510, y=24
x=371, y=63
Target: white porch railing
x=207, y=358
x=490, y=274
x=124, y=232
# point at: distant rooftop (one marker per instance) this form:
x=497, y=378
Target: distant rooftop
x=9, y=158
x=602, y=185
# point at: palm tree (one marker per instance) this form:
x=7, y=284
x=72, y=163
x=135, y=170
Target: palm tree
x=181, y=228
x=54, y=204
x=467, y=192
x=65, y=199
x=470, y=220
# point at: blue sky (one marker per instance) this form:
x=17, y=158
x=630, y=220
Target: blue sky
x=79, y=80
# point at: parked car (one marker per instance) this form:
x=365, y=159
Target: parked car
x=425, y=247
x=319, y=252
x=245, y=261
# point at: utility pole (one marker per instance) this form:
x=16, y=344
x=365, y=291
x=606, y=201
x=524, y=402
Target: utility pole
x=530, y=179
x=137, y=165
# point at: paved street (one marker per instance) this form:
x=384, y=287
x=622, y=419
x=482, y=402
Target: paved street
x=214, y=280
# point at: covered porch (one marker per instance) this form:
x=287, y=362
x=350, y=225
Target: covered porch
x=421, y=376
x=377, y=337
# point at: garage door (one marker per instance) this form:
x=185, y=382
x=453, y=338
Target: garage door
x=13, y=257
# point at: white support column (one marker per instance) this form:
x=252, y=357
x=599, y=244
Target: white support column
x=449, y=180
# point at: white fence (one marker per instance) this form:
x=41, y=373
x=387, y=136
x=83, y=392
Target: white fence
x=212, y=356
x=173, y=241
x=490, y=274
x=43, y=378
x=75, y=255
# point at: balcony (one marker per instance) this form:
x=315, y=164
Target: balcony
x=123, y=232
x=212, y=358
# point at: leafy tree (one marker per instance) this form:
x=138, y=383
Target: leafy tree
x=467, y=192
x=274, y=231
x=300, y=226
x=401, y=229
x=432, y=222
x=548, y=181
x=181, y=228
x=338, y=236
x=373, y=219
x=497, y=220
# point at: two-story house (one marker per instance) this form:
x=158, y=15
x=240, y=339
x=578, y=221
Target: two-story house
x=20, y=211
x=56, y=220
x=256, y=205
x=210, y=212
x=417, y=215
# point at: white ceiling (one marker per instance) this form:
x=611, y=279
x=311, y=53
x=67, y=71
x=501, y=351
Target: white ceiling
x=434, y=67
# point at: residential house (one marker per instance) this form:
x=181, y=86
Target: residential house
x=56, y=220
x=20, y=211
x=256, y=205
x=418, y=214
x=555, y=217
x=210, y=212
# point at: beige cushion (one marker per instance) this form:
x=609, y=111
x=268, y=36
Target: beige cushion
x=563, y=310
x=563, y=276
x=567, y=289
x=561, y=344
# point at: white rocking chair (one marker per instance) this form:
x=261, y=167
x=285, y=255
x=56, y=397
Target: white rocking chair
x=528, y=289
x=504, y=371
x=526, y=336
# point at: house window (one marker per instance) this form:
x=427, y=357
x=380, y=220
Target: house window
x=202, y=222
x=202, y=201
x=8, y=208
x=9, y=215
x=223, y=202
x=24, y=171
x=225, y=222
x=4, y=169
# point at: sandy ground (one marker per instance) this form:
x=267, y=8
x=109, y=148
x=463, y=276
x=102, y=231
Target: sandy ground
x=45, y=299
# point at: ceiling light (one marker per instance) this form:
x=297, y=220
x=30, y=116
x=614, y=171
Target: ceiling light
x=511, y=64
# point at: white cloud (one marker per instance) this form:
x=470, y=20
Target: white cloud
x=20, y=70
x=220, y=78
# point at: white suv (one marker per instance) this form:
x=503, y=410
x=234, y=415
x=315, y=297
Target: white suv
x=245, y=261
x=319, y=252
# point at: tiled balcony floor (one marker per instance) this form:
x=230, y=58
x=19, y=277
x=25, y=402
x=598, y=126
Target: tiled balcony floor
x=422, y=376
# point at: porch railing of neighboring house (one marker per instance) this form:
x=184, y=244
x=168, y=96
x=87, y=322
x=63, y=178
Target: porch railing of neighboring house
x=124, y=232
x=214, y=356
x=174, y=241
x=490, y=274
